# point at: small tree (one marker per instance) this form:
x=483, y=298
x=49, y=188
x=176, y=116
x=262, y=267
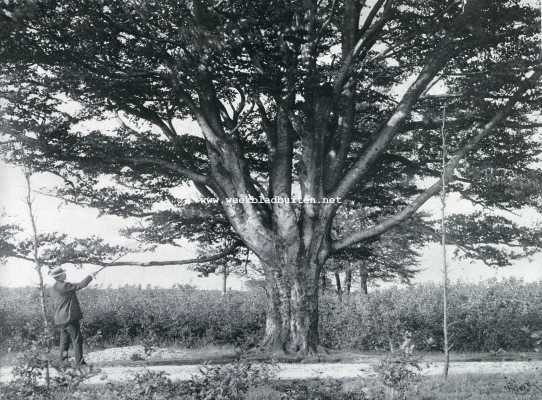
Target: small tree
x=238, y=263
x=38, y=267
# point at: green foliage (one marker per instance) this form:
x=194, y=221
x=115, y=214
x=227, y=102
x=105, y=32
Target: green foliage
x=29, y=372
x=136, y=357
x=287, y=94
x=263, y=392
x=227, y=382
x=487, y=317
x=399, y=373
x=493, y=239
x=37, y=375
x=155, y=63
x=57, y=248
x=126, y=315
x=321, y=389
x=149, y=385
x=7, y=234
x=522, y=387
x=460, y=387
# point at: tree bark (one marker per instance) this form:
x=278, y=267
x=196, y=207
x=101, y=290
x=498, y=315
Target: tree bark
x=292, y=309
x=348, y=281
x=225, y=274
x=338, y=286
x=38, y=268
x=363, y=278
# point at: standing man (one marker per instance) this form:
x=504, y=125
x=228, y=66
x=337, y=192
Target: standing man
x=68, y=314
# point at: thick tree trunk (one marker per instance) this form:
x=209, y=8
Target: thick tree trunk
x=292, y=310
x=276, y=333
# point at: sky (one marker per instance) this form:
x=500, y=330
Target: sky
x=54, y=215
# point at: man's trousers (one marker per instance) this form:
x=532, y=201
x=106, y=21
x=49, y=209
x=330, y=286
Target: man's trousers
x=71, y=332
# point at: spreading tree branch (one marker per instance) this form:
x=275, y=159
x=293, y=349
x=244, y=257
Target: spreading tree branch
x=229, y=250
x=390, y=128
x=408, y=211
x=194, y=176
x=368, y=32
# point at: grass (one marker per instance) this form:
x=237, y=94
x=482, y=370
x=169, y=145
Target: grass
x=478, y=387
x=456, y=388
x=507, y=386
x=461, y=387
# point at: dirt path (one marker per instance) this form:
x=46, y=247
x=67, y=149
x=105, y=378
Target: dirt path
x=309, y=371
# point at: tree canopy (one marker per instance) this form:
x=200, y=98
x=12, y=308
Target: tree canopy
x=260, y=100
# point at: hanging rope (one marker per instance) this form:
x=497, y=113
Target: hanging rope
x=443, y=243
x=541, y=30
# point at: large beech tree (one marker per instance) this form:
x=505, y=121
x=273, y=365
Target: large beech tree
x=317, y=99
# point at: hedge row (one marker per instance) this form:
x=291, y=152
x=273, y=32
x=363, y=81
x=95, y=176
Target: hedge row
x=485, y=317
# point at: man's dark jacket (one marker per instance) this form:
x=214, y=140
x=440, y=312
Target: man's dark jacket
x=67, y=305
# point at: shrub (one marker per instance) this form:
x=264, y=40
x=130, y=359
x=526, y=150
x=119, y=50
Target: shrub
x=149, y=385
x=127, y=315
x=265, y=392
x=399, y=373
x=136, y=357
x=485, y=317
x=227, y=382
x=522, y=388
x=321, y=389
x=31, y=370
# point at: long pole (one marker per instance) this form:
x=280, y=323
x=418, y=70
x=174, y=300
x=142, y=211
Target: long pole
x=443, y=242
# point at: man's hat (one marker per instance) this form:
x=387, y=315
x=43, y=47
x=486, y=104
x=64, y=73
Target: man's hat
x=55, y=273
